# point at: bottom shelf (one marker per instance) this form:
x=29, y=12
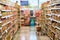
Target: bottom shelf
x=52, y=35
x=11, y=32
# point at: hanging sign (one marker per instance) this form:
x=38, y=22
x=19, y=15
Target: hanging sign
x=24, y=3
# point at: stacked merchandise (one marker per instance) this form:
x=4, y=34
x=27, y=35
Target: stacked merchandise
x=53, y=19
x=43, y=17
x=18, y=12
x=8, y=21
x=37, y=16
x=38, y=20
x=21, y=17
x=24, y=17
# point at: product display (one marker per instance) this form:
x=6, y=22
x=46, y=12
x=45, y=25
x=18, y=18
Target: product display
x=8, y=22
x=53, y=20
x=39, y=21
x=24, y=17
x=21, y=18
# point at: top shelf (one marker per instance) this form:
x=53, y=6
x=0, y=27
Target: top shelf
x=3, y=3
x=54, y=4
x=56, y=8
x=7, y=4
x=6, y=10
x=52, y=14
x=54, y=20
x=53, y=9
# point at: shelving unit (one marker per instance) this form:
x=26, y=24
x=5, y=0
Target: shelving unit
x=53, y=19
x=24, y=17
x=8, y=21
x=43, y=17
x=21, y=17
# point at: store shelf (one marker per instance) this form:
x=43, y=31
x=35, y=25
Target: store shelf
x=56, y=8
x=56, y=27
x=21, y=16
x=7, y=10
x=53, y=14
x=48, y=9
x=6, y=23
x=52, y=31
x=7, y=29
x=22, y=20
x=49, y=14
x=50, y=5
x=3, y=32
x=56, y=14
x=3, y=3
x=50, y=19
x=7, y=16
x=53, y=4
x=53, y=8
x=54, y=20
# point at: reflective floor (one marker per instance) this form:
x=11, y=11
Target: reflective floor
x=27, y=33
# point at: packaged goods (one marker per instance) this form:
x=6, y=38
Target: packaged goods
x=8, y=15
x=4, y=13
x=5, y=8
x=3, y=20
x=53, y=23
x=1, y=7
x=8, y=37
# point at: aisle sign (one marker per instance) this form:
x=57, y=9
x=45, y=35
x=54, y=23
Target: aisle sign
x=24, y=3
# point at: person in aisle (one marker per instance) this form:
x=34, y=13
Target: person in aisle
x=32, y=22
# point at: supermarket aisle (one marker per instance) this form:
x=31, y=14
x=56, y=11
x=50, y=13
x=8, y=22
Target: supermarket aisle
x=26, y=34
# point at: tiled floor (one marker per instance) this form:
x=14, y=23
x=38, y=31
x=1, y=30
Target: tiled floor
x=27, y=33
